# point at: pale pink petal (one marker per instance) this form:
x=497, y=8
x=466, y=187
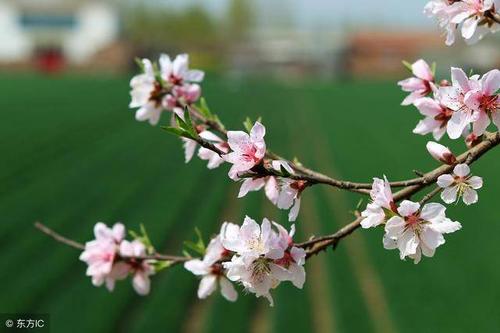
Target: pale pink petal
x=407, y=208
x=394, y=227
x=197, y=267
x=491, y=82
x=449, y=194
x=431, y=211
x=470, y=196
x=227, y=290
x=480, y=125
x=141, y=283
x=445, y=180
x=294, y=211
x=428, y=106
x=422, y=70
x=251, y=184
x=461, y=170
x=475, y=182
x=208, y=284
x=469, y=27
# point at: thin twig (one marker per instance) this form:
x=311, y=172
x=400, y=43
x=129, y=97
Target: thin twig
x=79, y=246
x=430, y=195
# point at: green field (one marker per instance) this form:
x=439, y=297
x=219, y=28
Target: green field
x=72, y=155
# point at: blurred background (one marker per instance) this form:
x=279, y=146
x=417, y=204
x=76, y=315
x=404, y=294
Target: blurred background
x=321, y=73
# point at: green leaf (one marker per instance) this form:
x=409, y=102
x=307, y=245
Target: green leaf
x=174, y=130
x=204, y=109
x=161, y=265
x=433, y=68
x=198, y=246
x=407, y=65
x=189, y=123
x=248, y=124
x=139, y=63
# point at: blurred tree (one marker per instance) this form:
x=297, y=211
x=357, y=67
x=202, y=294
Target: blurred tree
x=240, y=19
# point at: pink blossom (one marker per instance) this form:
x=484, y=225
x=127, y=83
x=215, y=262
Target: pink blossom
x=247, y=150
x=436, y=118
x=415, y=232
x=420, y=85
x=212, y=271
x=100, y=255
x=484, y=100
x=140, y=269
x=382, y=201
x=460, y=184
x=177, y=72
x=441, y=153
x=146, y=95
x=470, y=13
x=294, y=257
x=453, y=97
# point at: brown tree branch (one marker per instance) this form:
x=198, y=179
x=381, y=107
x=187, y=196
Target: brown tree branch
x=321, y=243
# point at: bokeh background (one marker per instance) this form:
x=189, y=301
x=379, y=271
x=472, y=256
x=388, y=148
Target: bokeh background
x=321, y=73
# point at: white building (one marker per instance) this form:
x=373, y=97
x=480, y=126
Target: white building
x=75, y=29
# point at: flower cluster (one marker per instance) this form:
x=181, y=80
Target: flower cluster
x=256, y=256
x=412, y=230
x=110, y=258
x=474, y=18
x=465, y=107
x=171, y=87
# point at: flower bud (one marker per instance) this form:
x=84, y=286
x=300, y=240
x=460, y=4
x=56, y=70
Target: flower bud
x=441, y=153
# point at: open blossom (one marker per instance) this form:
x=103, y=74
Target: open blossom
x=484, y=100
x=294, y=257
x=415, y=232
x=289, y=196
x=263, y=258
x=177, y=72
x=247, y=150
x=420, y=85
x=382, y=200
x=105, y=259
x=140, y=269
x=460, y=183
x=470, y=14
x=441, y=153
x=453, y=97
x=436, y=115
x=146, y=95
x=100, y=253
x=443, y=12
x=467, y=15
x=212, y=271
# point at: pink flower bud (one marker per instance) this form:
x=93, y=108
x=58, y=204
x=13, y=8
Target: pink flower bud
x=441, y=153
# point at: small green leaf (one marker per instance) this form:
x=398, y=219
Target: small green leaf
x=248, y=124
x=407, y=65
x=204, y=109
x=174, y=130
x=161, y=265
x=189, y=123
x=433, y=68
x=139, y=63
x=199, y=246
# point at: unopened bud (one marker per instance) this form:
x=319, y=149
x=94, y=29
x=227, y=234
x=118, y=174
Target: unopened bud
x=441, y=153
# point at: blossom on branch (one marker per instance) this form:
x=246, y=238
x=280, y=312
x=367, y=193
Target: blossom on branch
x=212, y=271
x=263, y=258
x=420, y=85
x=415, y=232
x=381, y=206
x=474, y=18
x=436, y=115
x=483, y=99
x=460, y=184
x=247, y=151
x=171, y=87
x=110, y=258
